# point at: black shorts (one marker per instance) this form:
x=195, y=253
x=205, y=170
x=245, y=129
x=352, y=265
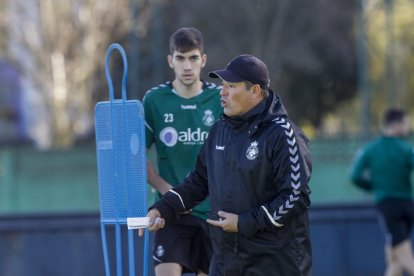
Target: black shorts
x=396, y=218
x=185, y=242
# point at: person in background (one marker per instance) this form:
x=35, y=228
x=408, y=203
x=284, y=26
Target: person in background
x=255, y=167
x=384, y=167
x=178, y=116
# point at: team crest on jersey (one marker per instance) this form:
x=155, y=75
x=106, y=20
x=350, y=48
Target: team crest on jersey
x=160, y=251
x=208, y=118
x=252, y=151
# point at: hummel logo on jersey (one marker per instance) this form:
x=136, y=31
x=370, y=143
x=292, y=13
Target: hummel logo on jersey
x=219, y=147
x=188, y=106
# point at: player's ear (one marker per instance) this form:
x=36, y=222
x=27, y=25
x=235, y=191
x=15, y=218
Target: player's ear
x=203, y=60
x=170, y=61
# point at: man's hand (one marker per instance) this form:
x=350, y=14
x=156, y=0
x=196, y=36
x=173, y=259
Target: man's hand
x=228, y=221
x=155, y=222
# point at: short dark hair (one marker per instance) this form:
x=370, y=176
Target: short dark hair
x=393, y=115
x=263, y=91
x=186, y=39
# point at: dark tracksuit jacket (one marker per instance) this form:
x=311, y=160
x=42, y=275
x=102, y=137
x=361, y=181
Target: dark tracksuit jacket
x=258, y=167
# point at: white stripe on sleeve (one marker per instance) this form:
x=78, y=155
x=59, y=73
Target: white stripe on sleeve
x=271, y=218
x=182, y=202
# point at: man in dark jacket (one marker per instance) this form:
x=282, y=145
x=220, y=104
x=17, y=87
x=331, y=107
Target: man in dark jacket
x=255, y=167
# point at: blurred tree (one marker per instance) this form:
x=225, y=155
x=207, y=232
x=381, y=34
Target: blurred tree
x=59, y=45
x=399, y=63
x=11, y=123
x=390, y=43
x=3, y=29
x=309, y=46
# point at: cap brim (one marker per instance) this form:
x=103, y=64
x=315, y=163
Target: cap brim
x=225, y=75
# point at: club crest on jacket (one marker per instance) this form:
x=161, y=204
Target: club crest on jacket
x=252, y=151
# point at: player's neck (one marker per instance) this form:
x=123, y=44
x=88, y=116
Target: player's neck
x=187, y=91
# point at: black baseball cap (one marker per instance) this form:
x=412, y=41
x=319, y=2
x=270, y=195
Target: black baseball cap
x=244, y=68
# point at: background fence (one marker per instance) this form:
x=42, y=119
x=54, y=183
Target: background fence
x=49, y=213
x=33, y=181
x=346, y=240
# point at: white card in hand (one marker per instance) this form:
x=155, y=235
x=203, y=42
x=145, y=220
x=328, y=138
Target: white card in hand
x=138, y=222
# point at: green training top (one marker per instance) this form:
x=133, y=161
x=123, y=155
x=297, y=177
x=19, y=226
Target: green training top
x=384, y=166
x=179, y=127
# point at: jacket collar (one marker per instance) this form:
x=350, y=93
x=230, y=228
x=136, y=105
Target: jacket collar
x=260, y=115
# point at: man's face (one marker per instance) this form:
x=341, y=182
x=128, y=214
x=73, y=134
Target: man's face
x=187, y=66
x=235, y=98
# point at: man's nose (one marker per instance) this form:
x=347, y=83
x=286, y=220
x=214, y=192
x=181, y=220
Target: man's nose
x=187, y=65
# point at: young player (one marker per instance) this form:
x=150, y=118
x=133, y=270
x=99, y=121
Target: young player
x=178, y=116
x=384, y=167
